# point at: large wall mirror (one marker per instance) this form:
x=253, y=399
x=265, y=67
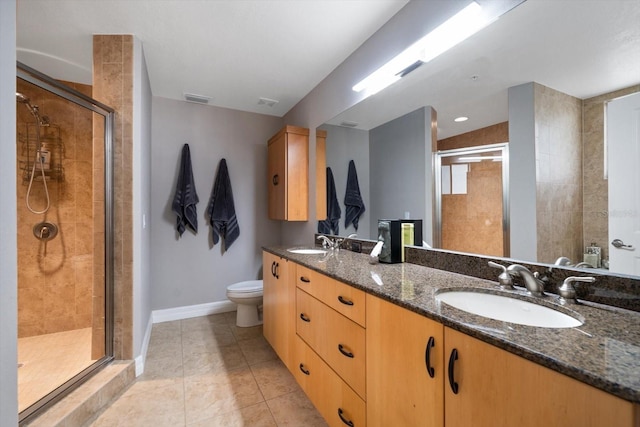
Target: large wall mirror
x=570, y=57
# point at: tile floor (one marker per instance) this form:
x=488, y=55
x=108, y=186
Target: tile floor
x=206, y=371
x=46, y=361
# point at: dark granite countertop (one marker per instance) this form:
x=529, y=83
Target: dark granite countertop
x=604, y=352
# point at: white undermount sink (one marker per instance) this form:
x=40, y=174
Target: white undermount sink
x=504, y=308
x=307, y=251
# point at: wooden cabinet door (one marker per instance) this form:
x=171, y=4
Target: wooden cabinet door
x=278, y=305
x=499, y=389
x=400, y=391
x=277, y=177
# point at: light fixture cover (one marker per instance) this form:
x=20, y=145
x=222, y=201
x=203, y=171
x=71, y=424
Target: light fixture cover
x=454, y=30
x=198, y=99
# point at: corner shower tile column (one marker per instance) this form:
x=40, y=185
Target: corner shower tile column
x=113, y=85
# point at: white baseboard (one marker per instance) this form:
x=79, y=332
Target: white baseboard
x=145, y=346
x=187, y=312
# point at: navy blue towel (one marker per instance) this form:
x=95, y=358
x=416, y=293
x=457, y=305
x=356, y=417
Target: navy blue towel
x=352, y=199
x=186, y=198
x=221, y=210
x=331, y=225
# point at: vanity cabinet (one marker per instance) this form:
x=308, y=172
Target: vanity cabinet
x=278, y=304
x=288, y=174
x=405, y=369
x=497, y=388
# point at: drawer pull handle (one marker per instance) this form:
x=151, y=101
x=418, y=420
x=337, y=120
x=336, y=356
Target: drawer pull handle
x=275, y=180
x=305, y=318
x=344, y=420
x=276, y=270
x=427, y=356
x=304, y=371
x=273, y=269
x=304, y=279
x=452, y=360
x=345, y=352
x=344, y=301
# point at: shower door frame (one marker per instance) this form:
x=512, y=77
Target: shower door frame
x=437, y=190
x=47, y=83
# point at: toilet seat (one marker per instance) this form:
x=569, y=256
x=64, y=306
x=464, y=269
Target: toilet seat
x=250, y=286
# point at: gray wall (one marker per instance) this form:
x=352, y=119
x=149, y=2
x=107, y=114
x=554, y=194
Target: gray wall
x=400, y=174
x=188, y=271
x=142, y=201
x=522, y=172
x=343, y=145
x=8, y=220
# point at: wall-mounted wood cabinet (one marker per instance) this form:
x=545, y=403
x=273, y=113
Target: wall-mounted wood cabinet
x=288, y=174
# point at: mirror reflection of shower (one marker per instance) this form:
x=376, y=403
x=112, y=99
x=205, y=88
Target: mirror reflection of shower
x=42, y=155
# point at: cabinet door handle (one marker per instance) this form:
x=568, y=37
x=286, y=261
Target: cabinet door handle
x=305, y=318
x=452, y=360
x=304, y=279
x=276, y=270
x=345, y=352
x=344, y=420
x=427, y=356
x=275, y=180
x=273, y=269
x=344, y=301
x=304, y=371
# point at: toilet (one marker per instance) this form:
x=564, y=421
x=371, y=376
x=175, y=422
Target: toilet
x=248, y=296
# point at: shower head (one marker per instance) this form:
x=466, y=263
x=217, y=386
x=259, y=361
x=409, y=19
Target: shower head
x=21, y=98
x=33, y=109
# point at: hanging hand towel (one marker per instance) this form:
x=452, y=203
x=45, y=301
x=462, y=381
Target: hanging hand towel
x=186, y=198
x=221, y=210
x=352, y=199
x=331, y=225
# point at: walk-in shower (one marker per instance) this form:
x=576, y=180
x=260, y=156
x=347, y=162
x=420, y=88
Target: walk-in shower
x=64, y=243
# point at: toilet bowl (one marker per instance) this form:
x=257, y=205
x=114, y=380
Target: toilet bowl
x=248, y=296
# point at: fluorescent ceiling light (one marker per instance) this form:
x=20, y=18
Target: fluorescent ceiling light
x=456, y=29
x=461, y=119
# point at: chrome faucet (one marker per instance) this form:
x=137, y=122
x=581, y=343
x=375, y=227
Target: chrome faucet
x=563, y=260
x=567, y=291
x=339, y=242
x=326, y=242
x=534, y=285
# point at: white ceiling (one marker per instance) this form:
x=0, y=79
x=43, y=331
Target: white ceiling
x=583, y=48
x=234, y=51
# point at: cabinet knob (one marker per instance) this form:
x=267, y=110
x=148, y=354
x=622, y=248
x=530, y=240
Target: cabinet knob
x=427, y=356
x=452, y=360
x=344, y=420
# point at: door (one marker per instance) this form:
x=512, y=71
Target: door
x=623, y=153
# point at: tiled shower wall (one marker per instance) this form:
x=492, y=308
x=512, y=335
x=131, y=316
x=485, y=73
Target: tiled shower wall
x=472, y=222
x=595, y=185
x=113, y=86
x=558, y=127
x=55, y=282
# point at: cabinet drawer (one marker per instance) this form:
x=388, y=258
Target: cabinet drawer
x=329, y=393
x=342, y=298
x=339, y=341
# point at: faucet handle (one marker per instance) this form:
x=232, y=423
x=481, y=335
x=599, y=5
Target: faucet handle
x=505, y=279
x=567, y=291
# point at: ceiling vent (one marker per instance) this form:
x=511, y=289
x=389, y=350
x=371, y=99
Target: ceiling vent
x=348, y=124
x=198, y=99
x=268, y=102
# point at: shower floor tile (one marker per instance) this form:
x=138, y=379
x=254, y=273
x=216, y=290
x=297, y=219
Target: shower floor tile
x=47, y=361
